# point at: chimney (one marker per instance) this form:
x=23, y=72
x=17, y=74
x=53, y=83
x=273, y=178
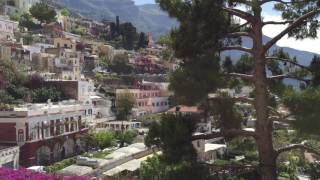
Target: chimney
x=178, y=108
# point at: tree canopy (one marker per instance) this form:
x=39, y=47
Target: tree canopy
x=43, y=12
x=209, y=28
x=173, y=133
x=119, y=64
x=124, y=103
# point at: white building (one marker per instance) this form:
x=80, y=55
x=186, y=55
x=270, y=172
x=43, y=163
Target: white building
x=208, y=151
x=45, y=132
x=102, y=108
x=7, y=28
x=9, y=156
x=117, y=125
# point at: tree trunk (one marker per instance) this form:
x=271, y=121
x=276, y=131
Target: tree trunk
x=267, y=155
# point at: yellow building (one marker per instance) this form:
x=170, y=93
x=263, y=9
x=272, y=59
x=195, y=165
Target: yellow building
x=43, y=62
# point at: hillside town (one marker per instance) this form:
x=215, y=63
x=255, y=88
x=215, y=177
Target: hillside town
x=101, y=100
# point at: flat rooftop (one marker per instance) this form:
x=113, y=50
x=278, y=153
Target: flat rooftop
x=26, y=110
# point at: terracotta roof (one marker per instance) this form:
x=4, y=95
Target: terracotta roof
x=185, y=109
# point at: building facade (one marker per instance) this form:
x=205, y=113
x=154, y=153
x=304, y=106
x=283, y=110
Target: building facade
x=66, y=43
x=77, y=90
x=7, y=28
x=25, y=5
x=9, y=156
x=45, y=132
x=150, y=98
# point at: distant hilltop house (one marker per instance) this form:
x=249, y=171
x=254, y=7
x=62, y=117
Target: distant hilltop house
x=203, y=123
x=147, y=64
x=18, y=6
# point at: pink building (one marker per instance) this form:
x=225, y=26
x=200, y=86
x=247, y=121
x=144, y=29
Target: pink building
x=150, y=97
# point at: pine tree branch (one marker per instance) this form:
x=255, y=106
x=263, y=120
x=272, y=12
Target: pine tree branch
x=231, y=168
x=297, y=146
x=242, y=76
x=276, y=22
x=288, y=61
x=286, y=76
x=281, y=119
x=292, y=26
x=237, y=48
x=230, y=132
x=235, y=99
x=278, y=116
x=238, y=34
x=283, y=2
x=241, y=14
x=237, y=28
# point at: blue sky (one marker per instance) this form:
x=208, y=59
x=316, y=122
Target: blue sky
x=139, y=2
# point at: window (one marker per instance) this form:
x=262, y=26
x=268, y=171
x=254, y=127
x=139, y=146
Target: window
x=62, y=128
x=58, y=127
x=52, y=127
x=45, y=129
x=153, y=104
x=72, y=123
x=46, y=132
x=8, y=164
x=157, y=103
x=20, y=135
x=67, y=124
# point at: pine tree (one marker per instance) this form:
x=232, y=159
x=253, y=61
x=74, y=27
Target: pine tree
x=213, y=27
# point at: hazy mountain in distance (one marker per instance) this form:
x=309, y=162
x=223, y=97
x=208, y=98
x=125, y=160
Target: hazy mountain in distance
x=150, y=18
x=147, y=18
x=303, y=57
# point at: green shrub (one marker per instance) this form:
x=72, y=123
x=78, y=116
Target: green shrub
x=60, y=165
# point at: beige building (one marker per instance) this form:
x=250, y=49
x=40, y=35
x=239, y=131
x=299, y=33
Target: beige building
x=5, y=52
x=66, y=43
x=66, y=66
x=106, y=51
x=43, y=62
x=7, y=28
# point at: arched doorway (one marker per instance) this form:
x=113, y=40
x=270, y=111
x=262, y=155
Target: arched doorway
x=57, y=152
x=68, y=147
x=43, y=155
x=80, y=146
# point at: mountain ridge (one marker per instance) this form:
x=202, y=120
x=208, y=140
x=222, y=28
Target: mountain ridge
x=150, y=18
x=147, y=18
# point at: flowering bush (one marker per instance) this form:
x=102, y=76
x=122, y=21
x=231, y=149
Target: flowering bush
x=24, y=174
